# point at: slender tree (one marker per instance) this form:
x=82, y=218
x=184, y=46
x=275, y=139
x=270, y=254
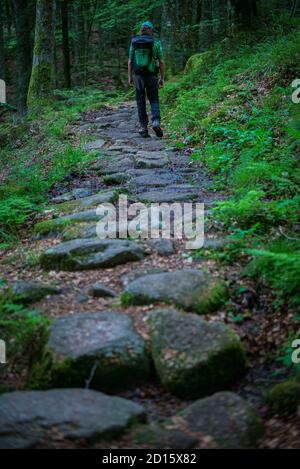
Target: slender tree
x=66, y=43
x=42, y=75
x=2, y=49
x=22, y=10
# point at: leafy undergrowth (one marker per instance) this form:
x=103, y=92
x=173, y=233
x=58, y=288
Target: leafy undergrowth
x=26, y=332
x=39, y=152
x=233, y=110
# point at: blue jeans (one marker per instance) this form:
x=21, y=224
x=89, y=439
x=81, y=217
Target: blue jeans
x=147, y=84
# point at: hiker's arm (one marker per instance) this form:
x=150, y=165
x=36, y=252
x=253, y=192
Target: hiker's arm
x=162, y=72
x=130, y=79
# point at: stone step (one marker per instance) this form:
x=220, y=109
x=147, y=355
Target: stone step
x=192, y=290
x=32, y=417
x=105, y=339
x=85, y=254
x=192, y=357
x=224, y=420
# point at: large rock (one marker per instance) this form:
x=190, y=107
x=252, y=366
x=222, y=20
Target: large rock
x=192, y=357
x=30, y=417
x=103, y=347
x=82, y=254
x=223, y=420
x=31, y=292
x=192, y=290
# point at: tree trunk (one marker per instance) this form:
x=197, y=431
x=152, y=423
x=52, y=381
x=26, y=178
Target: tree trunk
x=22, y=18
x=66, y=43
x=245, y=12
x=294, y=8
x=41, y=81
x=2, y=49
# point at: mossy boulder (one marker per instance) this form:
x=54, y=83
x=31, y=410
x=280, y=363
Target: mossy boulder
x=284, y=398
x=79, y=230
x=102, y=346
x=223, y=420
x=192, y=357
x=84, y=254
x=192, y=290
x=31, y=292
x=196, y=61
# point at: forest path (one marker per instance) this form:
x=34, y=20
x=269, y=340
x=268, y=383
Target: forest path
x=123, y=308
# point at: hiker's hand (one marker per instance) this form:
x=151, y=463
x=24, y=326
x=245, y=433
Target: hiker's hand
x=161, y=83
x=130, y=81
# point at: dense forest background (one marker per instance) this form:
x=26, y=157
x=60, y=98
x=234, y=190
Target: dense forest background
x=83, y=42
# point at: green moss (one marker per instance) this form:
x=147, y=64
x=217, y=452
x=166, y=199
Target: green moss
x=284, y=398
x=212, y=299
x=78, y=230
x=208, y=377
x=55, y=225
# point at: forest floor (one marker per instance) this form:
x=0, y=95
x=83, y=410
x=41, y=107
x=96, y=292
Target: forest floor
x=162, y=174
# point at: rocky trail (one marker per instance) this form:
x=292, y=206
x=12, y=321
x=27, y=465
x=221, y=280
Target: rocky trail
x=139, y=354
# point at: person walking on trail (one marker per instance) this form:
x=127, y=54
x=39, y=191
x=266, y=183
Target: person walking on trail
x=145, y=61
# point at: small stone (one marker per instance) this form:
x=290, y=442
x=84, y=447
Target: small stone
x=96, y=145
x=98, y=290
x=164, y=247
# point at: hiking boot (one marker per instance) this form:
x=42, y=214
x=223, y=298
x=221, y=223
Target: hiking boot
x=157, y=128
x=144, y=132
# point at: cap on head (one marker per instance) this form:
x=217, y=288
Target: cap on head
x=147, y=25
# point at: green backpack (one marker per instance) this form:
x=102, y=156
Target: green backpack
x=142, y=54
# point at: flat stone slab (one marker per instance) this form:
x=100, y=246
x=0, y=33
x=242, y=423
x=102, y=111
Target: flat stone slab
x=151, y=159
x=29, y=417
x=119, y=148
x=192, y=290
x=178, y=194
x=224, y=420
x=30, y=292
x=74, y=194
x=107, y=196
x=82, y=254
x=192, y=357
x=96, y=145
x=113, y=166
x=154, y=180
x=104, y=340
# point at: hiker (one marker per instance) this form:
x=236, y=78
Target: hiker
x=145, y=60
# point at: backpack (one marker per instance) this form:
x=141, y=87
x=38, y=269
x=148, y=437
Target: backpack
x=142, y=54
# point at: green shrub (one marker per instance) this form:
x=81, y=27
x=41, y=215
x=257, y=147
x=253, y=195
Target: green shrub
x=284, y=398
x=25, y=333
